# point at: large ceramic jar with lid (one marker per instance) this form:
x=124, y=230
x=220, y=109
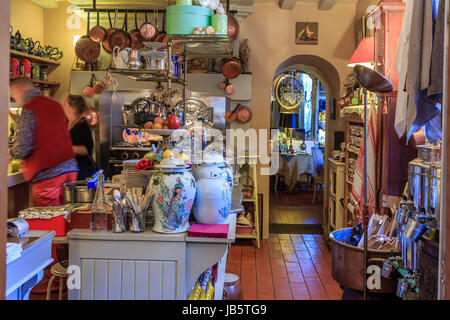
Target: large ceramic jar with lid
x=213, y=200
x=214, y=164
x=173, y=189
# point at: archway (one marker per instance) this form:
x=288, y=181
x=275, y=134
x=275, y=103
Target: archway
x=326, y=73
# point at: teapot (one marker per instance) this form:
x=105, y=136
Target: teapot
x=39, y=49
x=134, y=60
x=30, y=44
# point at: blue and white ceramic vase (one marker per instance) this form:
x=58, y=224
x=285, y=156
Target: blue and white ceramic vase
x=173, y=189
x=213, y=200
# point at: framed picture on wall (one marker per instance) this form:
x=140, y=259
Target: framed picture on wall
x=306, y=33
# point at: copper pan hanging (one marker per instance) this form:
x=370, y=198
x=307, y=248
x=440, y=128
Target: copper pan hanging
x=147, y=30
x=136, y=39
x=97, y=33
x=233, y=27
x=231, y=68
x=121, y=38
x=161, y=36
x=109, y=32
x=86, y=49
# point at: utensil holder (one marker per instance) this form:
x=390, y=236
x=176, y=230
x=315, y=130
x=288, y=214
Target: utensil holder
x=118, y=225
x=137, y=222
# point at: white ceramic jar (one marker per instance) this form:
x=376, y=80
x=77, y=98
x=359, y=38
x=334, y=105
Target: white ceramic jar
x=213, y=200
x=173, y=189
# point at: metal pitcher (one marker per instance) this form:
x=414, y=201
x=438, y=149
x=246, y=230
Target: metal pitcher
x=134, y=62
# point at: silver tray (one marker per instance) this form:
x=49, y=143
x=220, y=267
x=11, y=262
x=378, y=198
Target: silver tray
x=195, y=109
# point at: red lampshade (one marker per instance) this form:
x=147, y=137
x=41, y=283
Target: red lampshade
x=364, y=53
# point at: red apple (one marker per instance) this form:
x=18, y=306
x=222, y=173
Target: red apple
x=173, y=122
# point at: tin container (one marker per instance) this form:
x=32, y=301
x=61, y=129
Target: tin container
x=184, y=19
x=418, y=176
x=435, y=189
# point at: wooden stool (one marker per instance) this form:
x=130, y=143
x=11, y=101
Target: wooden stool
x=57, y=270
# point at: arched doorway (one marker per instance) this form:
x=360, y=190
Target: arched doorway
x=293, y=211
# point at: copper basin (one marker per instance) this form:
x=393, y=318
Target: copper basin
x=347, y=263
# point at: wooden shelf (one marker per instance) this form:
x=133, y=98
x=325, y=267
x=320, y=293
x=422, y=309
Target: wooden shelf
x=247, y=236
x=41, y=82
x=32, y=58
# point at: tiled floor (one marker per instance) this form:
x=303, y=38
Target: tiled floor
x=296, y=215
x=285, y=267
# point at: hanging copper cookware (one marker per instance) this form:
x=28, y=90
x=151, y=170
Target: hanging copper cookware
x=241, y=114
x=161, y=36
x=121, y=38
x=233, y=27
x=147, y=30
x=231, y=68
x=109, y=32
x=97, y=33
x=136, y=39
x=86, y=49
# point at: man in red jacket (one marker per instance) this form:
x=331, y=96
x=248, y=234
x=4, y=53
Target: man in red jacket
x=42, y=143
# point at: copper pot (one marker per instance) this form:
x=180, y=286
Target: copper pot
x=233, y=27
x=232, y=289
x=147, y=30
x=86, y=49
x=347, y=263
x=231, y=68
x=97, y=33
x=109, y=32
x=230, y=88
x=121, y=38
x=91, y=117
x=136, y=39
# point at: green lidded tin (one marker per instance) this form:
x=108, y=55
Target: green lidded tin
x=184, y=2
x=184, y=19
x=220, y=23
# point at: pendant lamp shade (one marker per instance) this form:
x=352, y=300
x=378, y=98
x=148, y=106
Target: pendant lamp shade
x=364, y=53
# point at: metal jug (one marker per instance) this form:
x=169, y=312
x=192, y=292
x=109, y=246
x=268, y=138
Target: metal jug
x=435, y=190
x=134, y=62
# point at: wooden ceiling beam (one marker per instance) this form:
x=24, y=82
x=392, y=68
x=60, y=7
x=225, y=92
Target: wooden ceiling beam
x=326, y=4
x=287, y=4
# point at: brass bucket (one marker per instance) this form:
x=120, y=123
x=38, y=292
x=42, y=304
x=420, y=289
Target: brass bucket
x=347, y=263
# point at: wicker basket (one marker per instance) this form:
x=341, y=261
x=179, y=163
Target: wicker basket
x=244, y=229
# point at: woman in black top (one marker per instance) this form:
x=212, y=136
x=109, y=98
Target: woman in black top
x=75, y=107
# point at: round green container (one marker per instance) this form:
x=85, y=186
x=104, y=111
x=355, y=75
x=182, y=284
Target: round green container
x=184, y=2
x=220, y=23
x=184, y=19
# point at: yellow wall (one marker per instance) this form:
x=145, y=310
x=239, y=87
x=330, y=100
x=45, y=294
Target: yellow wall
x=28, y=18
x=49, y=27
x=271, y=34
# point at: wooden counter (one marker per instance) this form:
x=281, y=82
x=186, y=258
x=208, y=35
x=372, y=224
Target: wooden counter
x=147, y=265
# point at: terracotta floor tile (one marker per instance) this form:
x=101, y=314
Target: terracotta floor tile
x=281, y=283
x=266, y=297
x=287, y=266
x=301, y=297
x=265, y=287
x=295, y=276
x=283, y=294
x=249, y=292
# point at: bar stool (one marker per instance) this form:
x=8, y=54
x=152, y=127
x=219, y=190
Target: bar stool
x=58, y=270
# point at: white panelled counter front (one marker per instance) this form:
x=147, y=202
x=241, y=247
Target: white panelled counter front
x=144, y=266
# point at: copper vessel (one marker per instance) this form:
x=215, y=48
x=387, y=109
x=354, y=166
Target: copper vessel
x=232, y=289
x=347, y=263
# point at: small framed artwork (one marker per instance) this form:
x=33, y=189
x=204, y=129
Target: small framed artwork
x=306, y=33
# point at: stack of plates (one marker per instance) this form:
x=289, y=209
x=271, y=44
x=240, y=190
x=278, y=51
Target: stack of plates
x=133, y=178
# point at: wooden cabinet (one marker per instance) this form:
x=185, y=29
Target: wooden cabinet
x=336, y=187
